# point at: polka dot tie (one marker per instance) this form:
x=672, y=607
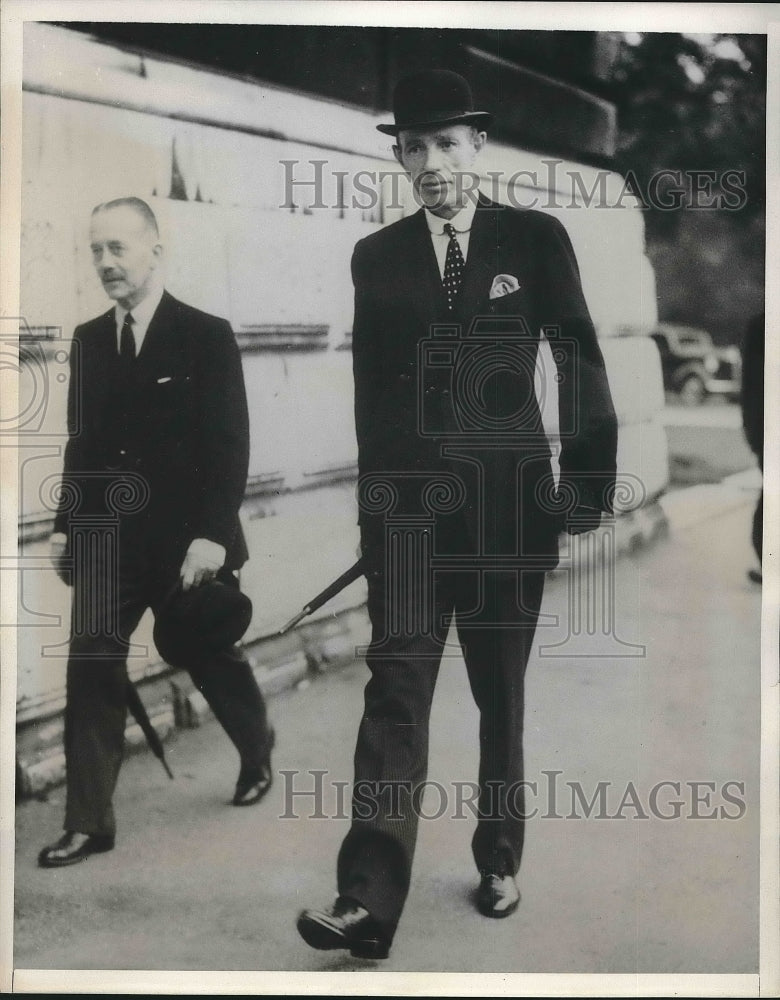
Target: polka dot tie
x=453, y=266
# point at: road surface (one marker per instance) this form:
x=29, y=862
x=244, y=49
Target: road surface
x=194, y=884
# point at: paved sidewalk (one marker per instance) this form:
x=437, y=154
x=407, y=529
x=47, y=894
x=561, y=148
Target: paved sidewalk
x=195, y=884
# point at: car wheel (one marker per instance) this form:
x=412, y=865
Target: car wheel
x=692, y=391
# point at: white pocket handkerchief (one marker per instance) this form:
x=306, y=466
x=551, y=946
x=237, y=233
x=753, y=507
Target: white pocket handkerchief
x=503, y=284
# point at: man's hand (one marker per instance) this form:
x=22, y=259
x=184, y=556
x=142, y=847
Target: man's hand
x=58, y=544
x=203, y=561
x=582, y=519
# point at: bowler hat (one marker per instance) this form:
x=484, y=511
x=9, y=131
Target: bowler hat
x=433, y=97
x=201, y=620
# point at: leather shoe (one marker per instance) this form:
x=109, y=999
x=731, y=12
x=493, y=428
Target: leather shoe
x=73, y=847
x=497, y=895
x=346, y=924
x=251, y=790
x=253, y=785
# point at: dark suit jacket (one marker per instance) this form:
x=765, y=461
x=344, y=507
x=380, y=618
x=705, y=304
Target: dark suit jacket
x=752, y=397
x=411, y=403
x=190, y=430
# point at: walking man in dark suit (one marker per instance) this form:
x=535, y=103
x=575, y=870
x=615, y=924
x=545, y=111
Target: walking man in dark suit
x=455, y=467
x=752, y=400
x=158, y=450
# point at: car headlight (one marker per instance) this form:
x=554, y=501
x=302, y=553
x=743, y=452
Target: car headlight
x=711, y=364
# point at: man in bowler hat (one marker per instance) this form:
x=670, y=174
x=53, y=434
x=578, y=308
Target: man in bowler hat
x=450, y=303
x=155, y=470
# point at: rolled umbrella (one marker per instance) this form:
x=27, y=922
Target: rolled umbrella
x=353, y=573
x=138, y=711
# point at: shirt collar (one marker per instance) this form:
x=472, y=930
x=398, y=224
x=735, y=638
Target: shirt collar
x=143, y=312
x=461, y=222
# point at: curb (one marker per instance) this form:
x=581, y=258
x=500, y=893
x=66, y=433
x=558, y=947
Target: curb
x=693, y=505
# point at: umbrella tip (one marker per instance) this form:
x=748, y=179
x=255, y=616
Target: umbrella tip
x=294, y=620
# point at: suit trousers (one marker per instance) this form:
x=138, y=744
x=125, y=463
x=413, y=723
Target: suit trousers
x=111, y=594
x=757, y=532
x=495, y=612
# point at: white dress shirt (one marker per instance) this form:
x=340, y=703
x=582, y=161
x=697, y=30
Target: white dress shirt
x=142, y=317
x=461, y=222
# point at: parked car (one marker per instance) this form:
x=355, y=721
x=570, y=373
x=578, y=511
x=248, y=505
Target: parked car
x=693, y=368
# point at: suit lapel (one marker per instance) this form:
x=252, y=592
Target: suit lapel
x=108, y=342
x=159, y=335
x=423, y=271
x=481, y=266
x=103, y=371
x=106, y=356
x=481, y=262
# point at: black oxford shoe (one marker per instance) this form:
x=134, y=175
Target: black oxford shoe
x=73, y=847
x=497, y=895
x=252, y=790
x=252, y=785
x=346, y=924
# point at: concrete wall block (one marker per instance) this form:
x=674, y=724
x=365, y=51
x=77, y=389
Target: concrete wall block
x=640, y=529
x=199, y=710
x=633, y=531
x=35, y=742
x=282, y=675
x=40, y=762
x=163, y=723
x=35, y=777
x=338, y=648
x=331, y=650
x=629, y=538
x=190, y=708
x=634, y=373
x=181, y=686
x=642, y=463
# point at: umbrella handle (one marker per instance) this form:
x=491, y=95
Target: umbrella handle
x=353, y=573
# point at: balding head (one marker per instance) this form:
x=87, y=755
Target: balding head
x=126, y=251
x=136, y=205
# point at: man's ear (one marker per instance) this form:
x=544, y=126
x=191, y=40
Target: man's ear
x=480, y=139
x=397, y=154
x=157, y=250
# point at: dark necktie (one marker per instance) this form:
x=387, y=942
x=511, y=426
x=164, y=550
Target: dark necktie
x=127, y=340
x=453, y=265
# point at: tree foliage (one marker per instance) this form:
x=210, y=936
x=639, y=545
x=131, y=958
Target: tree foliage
x=693, y=103
x=697, y=103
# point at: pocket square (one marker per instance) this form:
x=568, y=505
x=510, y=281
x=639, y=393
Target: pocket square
x=503, y=284
x=165, y=378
